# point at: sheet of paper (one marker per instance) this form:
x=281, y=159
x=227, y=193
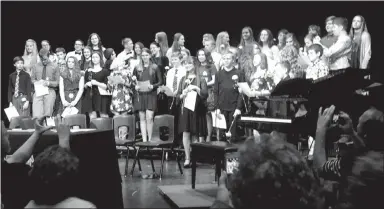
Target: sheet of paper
x=50, y=121
x=40, y=90
x=167, y=91
x=104, y=92
x=69, y=111
x=219, y=121
x=190, y=100
x=143, y=86
x=11, y=112
x=246, y=89
x=311, y=143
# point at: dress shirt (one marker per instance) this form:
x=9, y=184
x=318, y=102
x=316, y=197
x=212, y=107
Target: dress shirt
x=339, y=52
x=317, y=70
x=181, y=72
x=73, y=54
x=52, y=74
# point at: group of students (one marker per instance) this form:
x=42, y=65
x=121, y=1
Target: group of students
x=98, y=82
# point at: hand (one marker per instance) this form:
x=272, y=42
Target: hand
x=46, y=83
x=185, y=91
x=137, y=88
x=223, y=195
x=241, y=91
x=237, y=112
x=218, y=112
x=94, y=82
x=63, y=132
x=347, y=125
x=89, y=84
x=317, y=40
x=10, y=104
x=39, y=127
x=324, y=119
x=26, y=105
x=175, y=93
x=65, y=103
x=150, y=87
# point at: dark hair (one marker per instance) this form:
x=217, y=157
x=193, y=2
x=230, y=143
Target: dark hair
x=89, y=42
x=341, y=21
x=317, y=48
x=16, y=59
x=330, y=18
x=270, y=38
x=272, y=174
x=43, y=52
x=55, y=174
x=366, y=184
x=207, y=55
x=315, y=28
x=60, y=49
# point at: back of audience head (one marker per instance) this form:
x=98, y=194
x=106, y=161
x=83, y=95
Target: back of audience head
x=366, y=183
x=55, y=174
x=371, y=128
x=272, y=174
x=5, y=146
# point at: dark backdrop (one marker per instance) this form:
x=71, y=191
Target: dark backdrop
x=63, y=22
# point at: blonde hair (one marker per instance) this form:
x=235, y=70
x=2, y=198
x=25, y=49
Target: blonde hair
x=219, y=42
x=34, y=50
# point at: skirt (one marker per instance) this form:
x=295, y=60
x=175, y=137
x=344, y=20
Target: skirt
x=145, y=101
x=193, y=122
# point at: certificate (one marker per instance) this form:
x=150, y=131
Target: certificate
x=11, y=112
x=40, y=89
x=144, y=86
x=190, y=100
x=219, y=121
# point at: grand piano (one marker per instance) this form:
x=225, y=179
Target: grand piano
x=338, y=89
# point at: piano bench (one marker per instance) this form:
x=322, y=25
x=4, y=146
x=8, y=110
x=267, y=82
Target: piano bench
x=215, y=150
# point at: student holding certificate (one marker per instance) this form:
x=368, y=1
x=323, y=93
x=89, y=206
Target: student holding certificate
x=147, y=78
x=192, y=119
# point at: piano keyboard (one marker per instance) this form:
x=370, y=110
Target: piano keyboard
x=265, y=120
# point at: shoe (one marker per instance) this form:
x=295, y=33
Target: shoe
x=187, y=164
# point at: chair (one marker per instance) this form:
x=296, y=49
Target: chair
x=27, y=123
x=16, y=122
x=101, y=123
x=76, y=120
x=129, y=121
x=156, y=142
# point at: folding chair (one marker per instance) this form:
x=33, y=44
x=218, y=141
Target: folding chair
x=101, y=123
x=27, y=123
x=76, y=120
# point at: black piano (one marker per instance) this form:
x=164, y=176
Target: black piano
x=338, y=89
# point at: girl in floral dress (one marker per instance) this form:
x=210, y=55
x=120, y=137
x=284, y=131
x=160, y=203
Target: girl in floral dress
x=119, y=84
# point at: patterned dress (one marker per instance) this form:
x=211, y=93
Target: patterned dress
x=121, y=93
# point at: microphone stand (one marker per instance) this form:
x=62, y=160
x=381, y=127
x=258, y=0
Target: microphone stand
x=242, y=96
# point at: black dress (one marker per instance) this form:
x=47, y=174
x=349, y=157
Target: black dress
x=143, y=101
x=92, y=100
x=194, y=122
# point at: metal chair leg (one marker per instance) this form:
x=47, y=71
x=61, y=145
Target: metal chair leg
x=178, y=158
x=134, y=161
x=126, y=162
x=150, y=155
x=138, y=159
x=162, y=163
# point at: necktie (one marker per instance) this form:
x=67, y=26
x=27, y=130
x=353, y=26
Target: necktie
x=44, y=76
x=17, y=84
x=175, y=81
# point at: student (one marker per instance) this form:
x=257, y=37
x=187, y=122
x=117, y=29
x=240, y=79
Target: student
x=109, y=55
x=62, y=65
x=52, y=56
x=178, y=44
x=192, y=123
x=173, y=78
x=268, y=48
x=318, y=68
x=361, y=48
x=329, y=39
x=281, y=38
x=78, y=53
x=208, y=37
x=31, y=55
x=86, y=60
x=94, y=41
x=20, y=88
x=61, y=61
x=121, y=60
x=207, y=71
x=162, y=39
x=145, y=100
x=95, y=79
x=227, y=98
x=71, y=85
x=46, y=73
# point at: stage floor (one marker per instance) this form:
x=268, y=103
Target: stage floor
x=146, y=193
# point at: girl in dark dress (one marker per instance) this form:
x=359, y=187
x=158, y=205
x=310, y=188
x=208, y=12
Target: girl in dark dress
x=71, y=85
x=145, y=100
x=85, y=62
x=94, y=41
x=192, y=122
x=207, y=71
x=96, y=79
x=162, y=62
